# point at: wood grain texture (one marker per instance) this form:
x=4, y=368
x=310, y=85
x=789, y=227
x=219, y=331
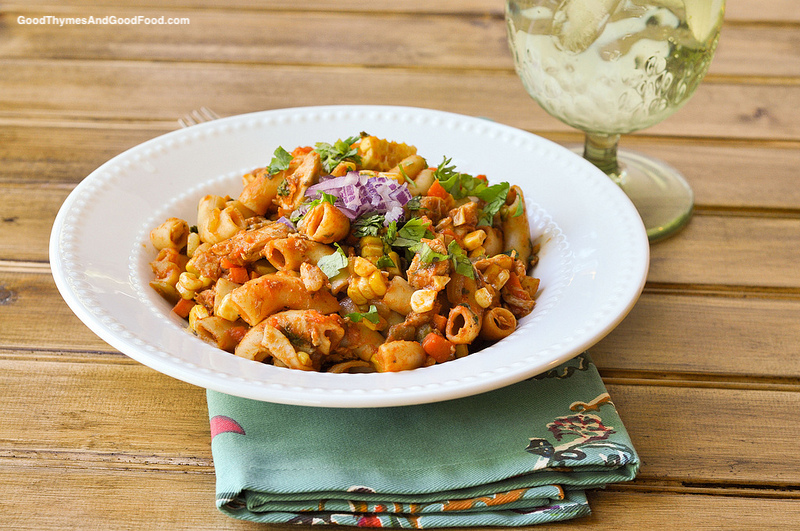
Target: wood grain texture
x=460, y=41
x=777, y=11
x=91, y=90
x=110, y=415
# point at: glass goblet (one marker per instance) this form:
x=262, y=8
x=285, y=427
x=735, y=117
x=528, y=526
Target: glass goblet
x=611, y=67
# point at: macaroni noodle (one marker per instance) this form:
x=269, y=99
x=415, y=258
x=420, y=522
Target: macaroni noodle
x=355, y=256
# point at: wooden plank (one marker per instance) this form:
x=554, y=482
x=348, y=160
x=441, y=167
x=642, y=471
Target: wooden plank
x=711, y=435
x=121, y=413
x=723, y=175
x=612, y=510
x=129, y=416
x=734, y=251
x=58, y=498
x=718, y=336
x=313, y=38
x=145, y=500
x=89, y=90
x=39, y=154
x=743, y=174
x=776, y=11
x=458, y=42
x=33, y=315
x=376, y=6
x=27, y=218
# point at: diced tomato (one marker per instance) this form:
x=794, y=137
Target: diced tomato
x=437, y=190
x=238, y=274
x=482, y=177
x=439, y=322
x=183, y=307
x=303, y=150
x=438, y=347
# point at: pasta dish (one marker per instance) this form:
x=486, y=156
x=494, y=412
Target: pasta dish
x=356, y=256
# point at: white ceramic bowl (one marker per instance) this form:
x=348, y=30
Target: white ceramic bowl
x=593, y=259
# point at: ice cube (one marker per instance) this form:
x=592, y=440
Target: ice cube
x=703, y=17
x=578, y=23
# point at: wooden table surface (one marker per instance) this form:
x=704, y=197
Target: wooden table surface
x=705, y=370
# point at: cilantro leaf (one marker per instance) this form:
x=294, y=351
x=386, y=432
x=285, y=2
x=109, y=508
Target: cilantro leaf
x=519, y=211
x=371, y=315
x=446, y=174
x=280, y=161
x=411, y=233
x=414, y=204
x=332, y=154
x=460, y=260
x=428, y=255
x=333, y=263
x=385, y=261
x=494, y=197
x=368, y=225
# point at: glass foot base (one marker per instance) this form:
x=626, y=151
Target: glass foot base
x=662, y=196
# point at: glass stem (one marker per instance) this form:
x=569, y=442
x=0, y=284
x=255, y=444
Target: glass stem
x=601, y=150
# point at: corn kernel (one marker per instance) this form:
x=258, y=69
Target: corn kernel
x=192, y=282
x=377, y=284
x=371, y=247
x=474, y=239
x=192, y=243
x=395, y=269
x=354, y=293
x=502, y=278
x=439, y=282
x=477, y=252
x=304, y=358
x=483, y=297
x=186, y=294
x=226, y=309
x=363, y=267
x=197, y=312
x=496, y=276
x=423, y=300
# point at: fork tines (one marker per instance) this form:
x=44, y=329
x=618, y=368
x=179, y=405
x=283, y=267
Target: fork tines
x=198, y=116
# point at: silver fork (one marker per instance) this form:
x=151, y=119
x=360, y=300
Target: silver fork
x=198, y=116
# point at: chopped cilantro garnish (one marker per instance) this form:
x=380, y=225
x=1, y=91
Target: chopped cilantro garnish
x=414, y=204
x=332, y=154
x=371, y=315
x=411, y=233
x=519, y=211
x=280, y=161
x=385, y=261
x=461, y=185
x=494, y=197
x=460, y=260
x=283, y=188
x=368, y=225
x=333, y=263
x=428, y=255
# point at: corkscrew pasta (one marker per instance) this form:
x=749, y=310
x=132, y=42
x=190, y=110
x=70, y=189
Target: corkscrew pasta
x=355, y=256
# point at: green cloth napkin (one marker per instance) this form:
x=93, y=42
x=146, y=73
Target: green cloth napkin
x=516, y=456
